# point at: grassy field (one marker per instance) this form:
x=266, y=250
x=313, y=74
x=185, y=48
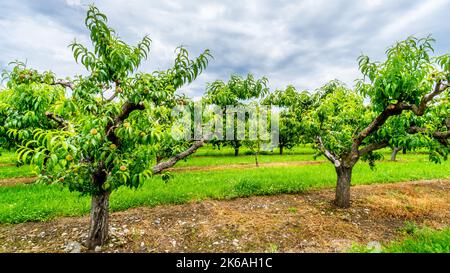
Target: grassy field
x=22, y=203
x=16, y=172
x=208, y=156
x=417, y=240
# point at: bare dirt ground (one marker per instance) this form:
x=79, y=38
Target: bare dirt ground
x=15, y=181
x=245, y=166
x=282, y=223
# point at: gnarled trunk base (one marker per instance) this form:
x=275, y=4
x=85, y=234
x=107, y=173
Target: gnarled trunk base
x=98, y=232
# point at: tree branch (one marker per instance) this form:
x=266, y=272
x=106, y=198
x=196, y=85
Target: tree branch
x=397, y=109
x=391, y=110
x=64, y=83
x=330, y=156
x=112, y=97
x=173, y=160
x=442, y=137
x=420, y=110
x=373, y=147
x=115, y=91
x=62, y=123
x=127, y=108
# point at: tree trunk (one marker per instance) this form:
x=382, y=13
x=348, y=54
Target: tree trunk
x=394, y=153
x=281, y=149
x=256, y=159
x=344, y=177
x=98, y=232
x=236, y=151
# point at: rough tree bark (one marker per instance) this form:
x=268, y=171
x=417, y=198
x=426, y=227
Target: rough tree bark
x=344, y=177
x=281, y=149
x=98, y=231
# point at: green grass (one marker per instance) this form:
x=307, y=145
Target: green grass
x=208, y=150
x=7, y=157
x=8, y=167
x=16, y=172
x=424, y=240
x=207, y=156
x=23, y=203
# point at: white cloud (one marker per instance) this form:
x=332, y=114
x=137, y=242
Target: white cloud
x=304, y=43
x=414, y=21
x=73, y=2
x=40, y=42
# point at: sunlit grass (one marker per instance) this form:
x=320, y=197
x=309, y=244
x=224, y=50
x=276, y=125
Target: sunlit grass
x=23, y=203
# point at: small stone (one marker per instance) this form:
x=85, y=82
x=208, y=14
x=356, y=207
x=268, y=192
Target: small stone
x=374, y=246
x=235, y=242
x=98, y=249
x=142, y=244
x=42, y=234
x=111, y=245
x=174, y=243
x=73, y=247
x=75, y=229
x=64, y=234
x=126, y=231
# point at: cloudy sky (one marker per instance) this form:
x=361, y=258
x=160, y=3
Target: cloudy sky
x=305, y=42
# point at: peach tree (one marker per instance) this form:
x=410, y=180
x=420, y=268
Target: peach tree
x=349, y=125
x=110, y=127
x=235, y=93
x=24, y=104
x=293, y=105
